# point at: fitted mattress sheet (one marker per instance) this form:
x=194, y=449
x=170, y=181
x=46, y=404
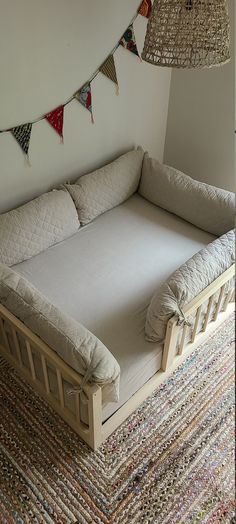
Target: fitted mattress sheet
x=105, y=275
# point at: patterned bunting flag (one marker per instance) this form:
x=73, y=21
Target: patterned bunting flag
x=108, y=69
x=56, y=120
x=145, y=8
x=22, y=135
x=84, y=96
x=128, y=40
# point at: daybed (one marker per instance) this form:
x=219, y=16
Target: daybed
x=96, y=296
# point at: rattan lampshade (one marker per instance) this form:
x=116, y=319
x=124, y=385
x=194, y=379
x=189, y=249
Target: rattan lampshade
x=188, y=34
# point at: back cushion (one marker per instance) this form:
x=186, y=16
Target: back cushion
x=97, y=192
x=205, y=206
x=32, y=228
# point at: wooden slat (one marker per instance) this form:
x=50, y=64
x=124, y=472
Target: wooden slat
x=60, y=388
x=182, y=342
x=17, y=345
x=171, y=339
x=45, y=374
x=4, y=336
x=77, y=407
x=81, y=429
x=208, y=312
x=95, y=418
x=208, y=292
x=50, y=355
x=196, y=323
x=30, y=357
x=219, y=302
x=228, y=299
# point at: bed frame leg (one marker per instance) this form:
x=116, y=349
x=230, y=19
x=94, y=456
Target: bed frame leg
x=95, y=418
x=171, y=339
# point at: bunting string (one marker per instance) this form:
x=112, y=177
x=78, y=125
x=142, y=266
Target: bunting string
x=22, y=132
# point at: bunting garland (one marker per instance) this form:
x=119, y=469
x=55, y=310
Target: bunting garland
x=84, y=96
x=108, y=69
x=128, y=40
x=55, y=118
x=22, y=136
x=145, y=8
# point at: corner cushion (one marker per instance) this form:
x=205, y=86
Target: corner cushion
x=207, y=207
x=102, y=190
x=37, y=225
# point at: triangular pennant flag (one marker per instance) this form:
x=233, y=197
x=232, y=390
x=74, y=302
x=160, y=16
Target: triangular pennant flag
x=22, y=135
x=128, y=40
x=56, y=120
x=84, y=96
x=108, y=69
x=145, y=8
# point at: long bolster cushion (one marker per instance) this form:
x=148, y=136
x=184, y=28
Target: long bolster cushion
x=205, y=206
x=37, y=225
x=79, y=348
x=187, y=282
x=100, y=191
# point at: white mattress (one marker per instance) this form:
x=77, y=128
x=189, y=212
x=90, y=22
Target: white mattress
x=105, y=275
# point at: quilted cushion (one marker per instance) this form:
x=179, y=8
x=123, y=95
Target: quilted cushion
x=205, y=206
x=187, y=282
x=97, y=192
x=39, y=224
x=77, y=346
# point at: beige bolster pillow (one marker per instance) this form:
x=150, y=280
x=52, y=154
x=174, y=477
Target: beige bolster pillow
x=77, y=346
x=207, y=207
x=37, y=225
x=102, y=190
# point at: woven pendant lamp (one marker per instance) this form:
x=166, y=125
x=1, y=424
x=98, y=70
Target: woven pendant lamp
x=188, y=34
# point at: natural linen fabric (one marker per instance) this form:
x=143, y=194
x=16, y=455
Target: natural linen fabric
x=35, y=226
x=205, y=206
x=77, y=346
x=187, y=282
x=100, y=191
x=105, y=276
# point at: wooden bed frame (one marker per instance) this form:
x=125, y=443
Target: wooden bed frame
x=208, y=310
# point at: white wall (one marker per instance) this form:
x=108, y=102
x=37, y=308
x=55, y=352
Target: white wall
x=200, y=137
x=48, y=50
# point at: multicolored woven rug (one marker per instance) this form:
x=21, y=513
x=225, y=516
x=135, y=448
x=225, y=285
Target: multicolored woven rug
x=171, y=462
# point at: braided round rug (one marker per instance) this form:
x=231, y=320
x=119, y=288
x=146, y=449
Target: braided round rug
x=170, y=462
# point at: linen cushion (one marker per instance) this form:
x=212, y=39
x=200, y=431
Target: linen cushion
x=77, y=346
x=97, y=192
x=37, y=225
x=105, y=276
x=205, y=206
x=187, y=282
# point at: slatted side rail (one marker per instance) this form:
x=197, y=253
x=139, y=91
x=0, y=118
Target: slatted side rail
x=201, y=311
x=9, y=325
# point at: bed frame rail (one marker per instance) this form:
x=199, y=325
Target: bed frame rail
x=202, y=311
x=22, y=349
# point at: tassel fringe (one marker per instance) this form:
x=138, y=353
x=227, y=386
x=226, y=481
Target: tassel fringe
x=27, y=161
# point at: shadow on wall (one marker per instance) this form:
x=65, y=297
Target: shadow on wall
x=200, y=138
